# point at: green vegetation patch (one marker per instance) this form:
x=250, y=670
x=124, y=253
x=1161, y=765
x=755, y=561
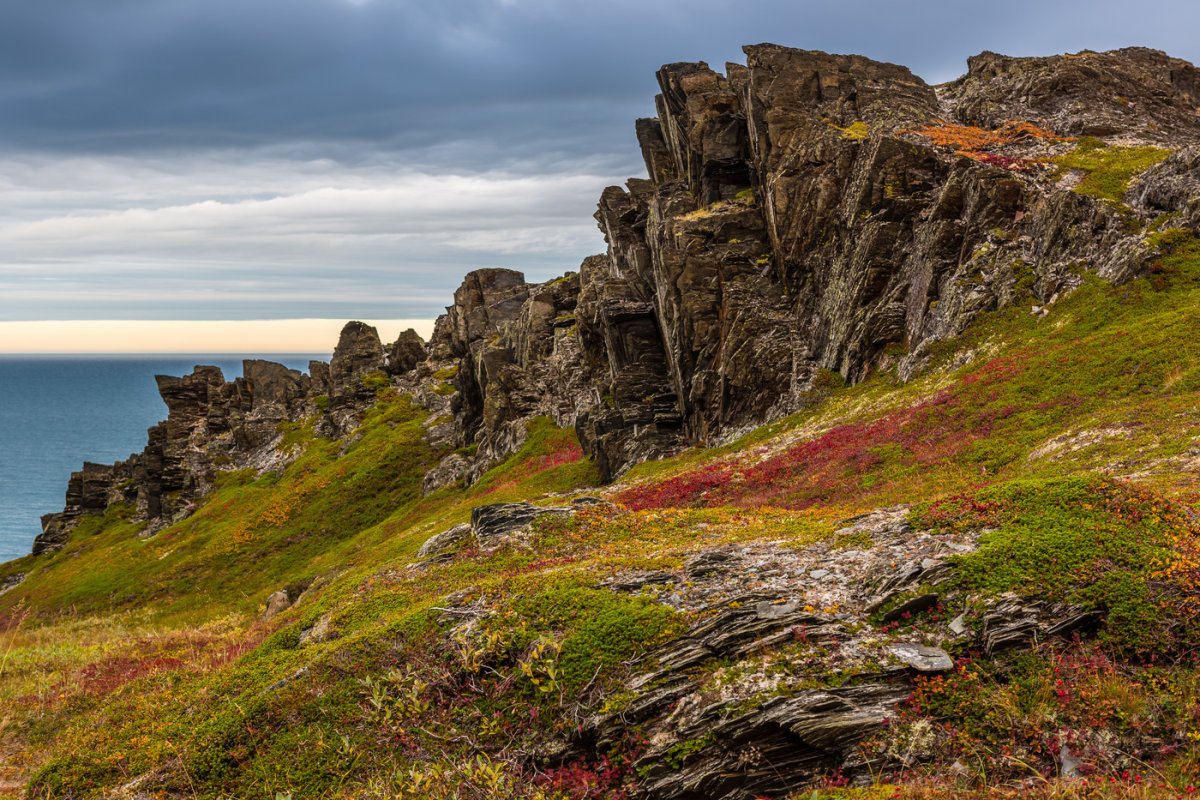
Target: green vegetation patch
x=1093, y=542
x=1110, y=169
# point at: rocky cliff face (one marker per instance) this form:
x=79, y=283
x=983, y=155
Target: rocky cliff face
x=804, y=213
x=214, y=425
x=810, y=212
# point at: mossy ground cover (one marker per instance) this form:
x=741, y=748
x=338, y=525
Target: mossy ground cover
x=436, y=676
x=1091, y=542
x=1127, y=730
x=338, y=518
x=1108, y=170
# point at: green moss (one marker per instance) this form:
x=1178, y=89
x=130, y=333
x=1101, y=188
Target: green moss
x=856, y=131
x=681, y=753
x=1109, y=169
x=295, y=434
x=376, y=381
x=1082, y=540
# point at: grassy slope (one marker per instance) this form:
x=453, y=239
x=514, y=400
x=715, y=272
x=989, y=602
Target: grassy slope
x=123, y=656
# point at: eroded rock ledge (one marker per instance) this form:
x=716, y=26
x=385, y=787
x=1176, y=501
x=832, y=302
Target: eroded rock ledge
x=795, y=220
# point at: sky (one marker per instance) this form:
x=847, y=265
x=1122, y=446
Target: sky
x=297, y=163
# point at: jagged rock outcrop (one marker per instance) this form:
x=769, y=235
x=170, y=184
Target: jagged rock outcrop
x=406, y=353
x=796, y=219
x=1172, y=187
x=213, y=424
x=1133, y=92
x=799, y=219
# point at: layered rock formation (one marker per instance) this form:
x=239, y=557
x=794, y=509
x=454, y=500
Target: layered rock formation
x=801, y=215
x=797, y=219
x=213, y=425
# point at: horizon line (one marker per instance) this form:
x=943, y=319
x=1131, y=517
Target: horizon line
x=299, y=336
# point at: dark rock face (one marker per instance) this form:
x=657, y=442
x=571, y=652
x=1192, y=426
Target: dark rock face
x=777, y=748
x=1134, y=91
x=490, y=526
x=214, y=424
x=514, y=353
x=358, y=354
x=1172, y=187
x=490, y=523
x=794, y=223
x=405, y=353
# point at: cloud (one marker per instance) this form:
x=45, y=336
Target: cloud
x=121, y=241
x=136, y=75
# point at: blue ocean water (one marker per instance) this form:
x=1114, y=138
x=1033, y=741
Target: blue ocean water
x=58, y=411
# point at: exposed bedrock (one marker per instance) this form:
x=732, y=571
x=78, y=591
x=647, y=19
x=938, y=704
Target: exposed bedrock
x=214, y=425
x=793, y=221
x=797, y=218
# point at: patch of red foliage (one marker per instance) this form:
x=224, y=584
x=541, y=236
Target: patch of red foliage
x=833, y=466
x=979, y=143
x=567, y=454
x=112, y=673
x=561, y=454
x=580, y=781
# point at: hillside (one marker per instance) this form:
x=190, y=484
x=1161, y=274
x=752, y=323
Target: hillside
x=866, y=463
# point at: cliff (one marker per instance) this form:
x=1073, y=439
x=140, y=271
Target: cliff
x=803, y=213
x=863, y=463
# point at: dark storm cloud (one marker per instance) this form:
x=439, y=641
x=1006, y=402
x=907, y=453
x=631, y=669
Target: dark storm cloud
x=138, y=74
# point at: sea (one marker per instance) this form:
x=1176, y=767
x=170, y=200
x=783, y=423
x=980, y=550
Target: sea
x=58, y=411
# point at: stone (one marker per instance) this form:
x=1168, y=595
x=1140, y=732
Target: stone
x=922, y=658
x=406, y=353
x=272, y=384
x=1133, y=92
x=491, y=523
x=914, y=605
x=277, y=603
x=11, y=582
x=774, y=748
x=358, y=354
x=632, y=582
x=446, y=542
x=709, y=563
x=56, y=533
x=319, y=632
x=453, y=470
x=769, y=610
x=1015, y=623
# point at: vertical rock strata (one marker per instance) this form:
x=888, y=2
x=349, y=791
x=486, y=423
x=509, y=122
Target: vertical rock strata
x=795, y=219
x=213, y=425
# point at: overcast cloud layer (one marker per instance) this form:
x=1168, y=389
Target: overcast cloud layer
x=250, y=159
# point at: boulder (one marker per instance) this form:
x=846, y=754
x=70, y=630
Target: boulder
x=405, y=353
x=358, y=353
x=277, y=603
x=446, y=542
x=922, y=658
x=491, y=523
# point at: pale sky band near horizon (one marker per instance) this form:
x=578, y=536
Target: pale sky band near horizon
x=189, y=336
